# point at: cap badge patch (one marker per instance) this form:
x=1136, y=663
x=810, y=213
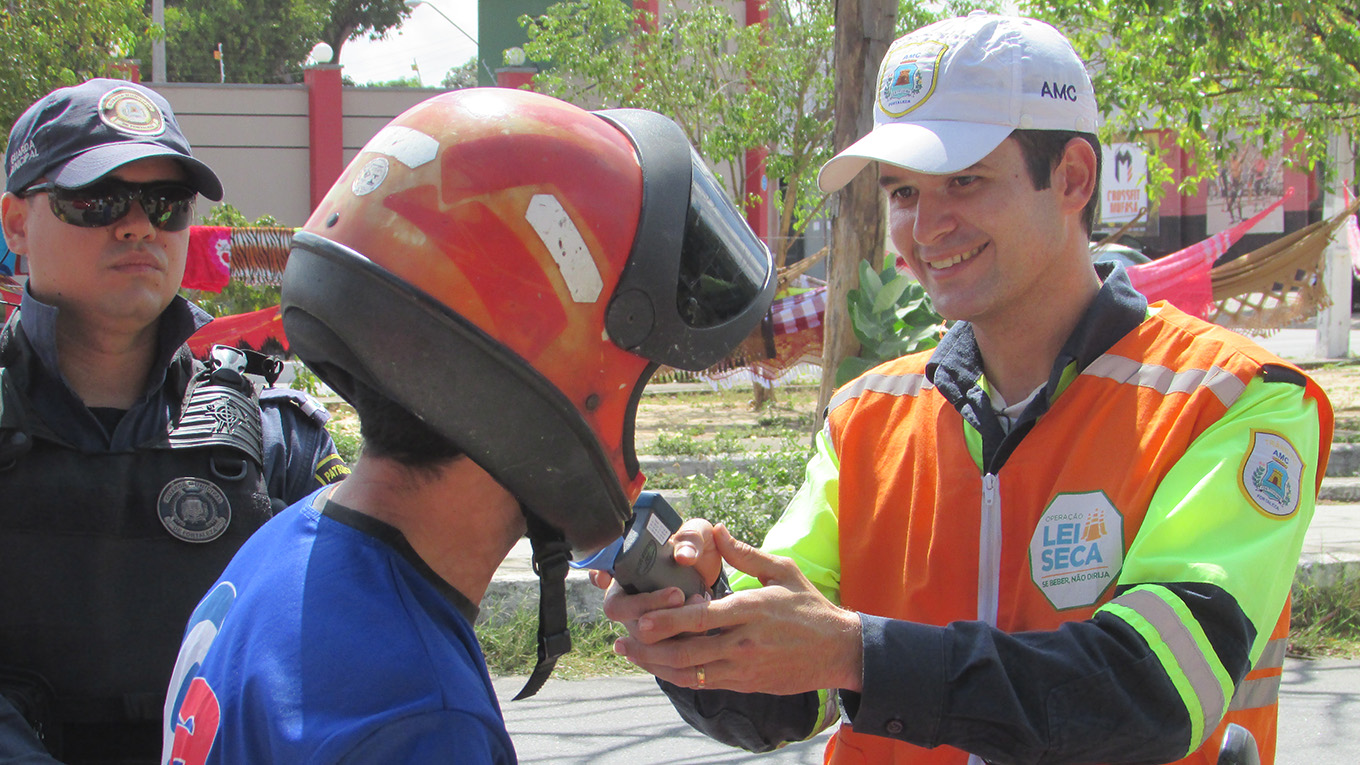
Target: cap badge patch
x=907, y=77
x=1272, y=474
x=129, y=111
x=194, y=510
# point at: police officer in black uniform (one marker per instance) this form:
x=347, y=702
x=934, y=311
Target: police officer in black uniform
x=129, y=472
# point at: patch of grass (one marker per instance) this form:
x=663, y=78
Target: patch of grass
x=344, y=429
x=511, y=647
x=664, y=481
x=727, y=442
x=677, y=444
x=1326, y=619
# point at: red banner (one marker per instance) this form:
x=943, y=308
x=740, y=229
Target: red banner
x=260, y=330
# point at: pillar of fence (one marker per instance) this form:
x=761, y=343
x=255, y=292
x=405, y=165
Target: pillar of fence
x=1334, y=321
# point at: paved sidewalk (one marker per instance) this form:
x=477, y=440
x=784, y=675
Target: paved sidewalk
x=627, y=721
x=1332, y=543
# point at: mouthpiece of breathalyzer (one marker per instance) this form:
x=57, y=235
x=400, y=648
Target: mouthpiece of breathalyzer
x=643, y=559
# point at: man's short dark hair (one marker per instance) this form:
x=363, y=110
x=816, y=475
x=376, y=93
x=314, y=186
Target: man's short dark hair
x=392, y=432
x=1043, y=149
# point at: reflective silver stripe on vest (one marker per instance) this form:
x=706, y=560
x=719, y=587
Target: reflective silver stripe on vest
x=1273, y=655
x=1193, y=663
x=1219, y=381
x=1263, y=691
x=889, y=385
x=1251, y=694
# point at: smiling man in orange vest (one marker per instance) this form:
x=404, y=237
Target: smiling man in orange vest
x=1065, y=535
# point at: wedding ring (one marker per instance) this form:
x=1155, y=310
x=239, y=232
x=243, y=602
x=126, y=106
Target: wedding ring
x=700, y=672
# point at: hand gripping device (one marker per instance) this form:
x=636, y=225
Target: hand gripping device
x=643, y=559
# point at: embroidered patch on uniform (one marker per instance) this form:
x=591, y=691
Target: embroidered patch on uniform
x=1272, y=474
x=331, y=469
x=907, y=77
x=1077, y=549
x=194, y=510
x=130, y=111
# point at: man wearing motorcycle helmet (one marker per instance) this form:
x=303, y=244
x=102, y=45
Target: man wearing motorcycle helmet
x=490, y=284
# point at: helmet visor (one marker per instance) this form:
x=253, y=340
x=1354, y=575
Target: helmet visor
x=723, y=266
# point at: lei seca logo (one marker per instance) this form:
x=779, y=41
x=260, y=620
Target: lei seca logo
x=1077, y=549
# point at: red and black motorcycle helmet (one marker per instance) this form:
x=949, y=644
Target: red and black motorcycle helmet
x=511, y=268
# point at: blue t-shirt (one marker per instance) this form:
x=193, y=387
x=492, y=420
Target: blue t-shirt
x=327, y=639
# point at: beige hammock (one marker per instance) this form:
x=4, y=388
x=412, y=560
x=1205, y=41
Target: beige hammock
x=1279, y=284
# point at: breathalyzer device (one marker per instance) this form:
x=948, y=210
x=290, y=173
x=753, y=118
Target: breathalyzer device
x=643, y=559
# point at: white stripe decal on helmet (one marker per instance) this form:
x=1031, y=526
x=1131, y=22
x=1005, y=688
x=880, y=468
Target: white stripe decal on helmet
x=409, y=147
x=568, y=249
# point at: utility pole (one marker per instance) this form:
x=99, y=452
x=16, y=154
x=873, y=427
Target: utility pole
x=864, y=29
x=1334, y=322
x=158, y=47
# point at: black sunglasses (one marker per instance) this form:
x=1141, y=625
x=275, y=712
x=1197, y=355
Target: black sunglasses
x=169, y=206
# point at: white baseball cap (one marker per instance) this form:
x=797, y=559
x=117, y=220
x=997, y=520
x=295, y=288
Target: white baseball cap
x=948, y=94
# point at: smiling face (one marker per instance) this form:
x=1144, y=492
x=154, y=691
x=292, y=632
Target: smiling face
x=987, y=246
x=124, y=273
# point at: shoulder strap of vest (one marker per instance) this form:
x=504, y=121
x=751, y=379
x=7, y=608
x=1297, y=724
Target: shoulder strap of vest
x=221, y=408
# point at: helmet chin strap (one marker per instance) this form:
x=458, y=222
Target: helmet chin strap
x=551, y=555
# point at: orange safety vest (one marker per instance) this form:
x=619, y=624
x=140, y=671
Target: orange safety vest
x=911, y=543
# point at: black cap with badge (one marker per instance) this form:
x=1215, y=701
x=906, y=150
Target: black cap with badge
x=75, y=136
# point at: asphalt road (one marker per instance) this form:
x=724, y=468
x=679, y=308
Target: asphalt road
x=627, y=721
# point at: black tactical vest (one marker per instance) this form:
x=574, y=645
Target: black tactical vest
x=104, y=556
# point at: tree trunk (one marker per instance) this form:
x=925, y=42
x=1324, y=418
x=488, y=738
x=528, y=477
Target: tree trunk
x=864, y=29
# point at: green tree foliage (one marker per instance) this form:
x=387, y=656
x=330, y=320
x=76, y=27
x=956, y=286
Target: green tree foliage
x=462, y=76
x=262, y=40
x=913, y=14
x=1220, y=72
x=350, y=19
x=892, y=316
x=46, y=44
x=697, y=65
x=729, y=86
x=401, y=82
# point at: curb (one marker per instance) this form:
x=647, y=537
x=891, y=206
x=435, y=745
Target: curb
x=1340, y=488
x=1345, y=460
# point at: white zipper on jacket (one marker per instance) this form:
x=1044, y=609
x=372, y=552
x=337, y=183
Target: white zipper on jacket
x=989, y=560
x=989, y=551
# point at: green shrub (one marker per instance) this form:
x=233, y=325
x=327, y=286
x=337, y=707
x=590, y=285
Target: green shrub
x=1325, y=620
x=676, y=444
x=892, y=316
x=751, y=497
x=344, y=429
x=511, y=647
